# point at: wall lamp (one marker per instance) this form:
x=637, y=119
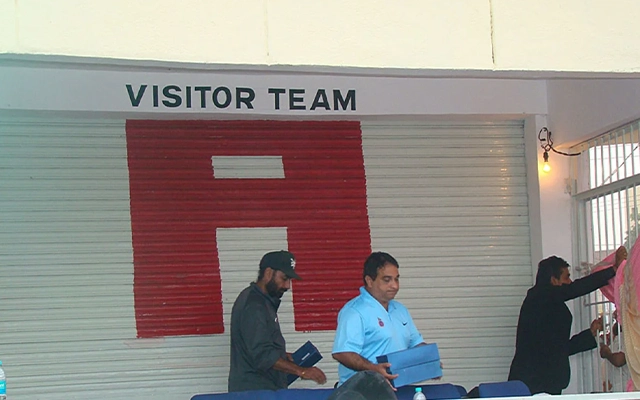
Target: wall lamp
x=546, y=167
x=544, y=136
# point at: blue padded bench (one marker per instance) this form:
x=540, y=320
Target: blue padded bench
x=283, y=394
x=433, y=392
x=440, y=391
x=503, y=389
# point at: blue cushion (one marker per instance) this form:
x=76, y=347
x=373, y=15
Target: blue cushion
x=283, y=394
x=250, y=395
x=503, y=389
x=461, y=390
x=303, y=394
x=432, y=392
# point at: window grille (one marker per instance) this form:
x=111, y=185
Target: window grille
x=606, y=201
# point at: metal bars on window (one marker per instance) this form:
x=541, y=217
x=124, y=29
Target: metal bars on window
x=609, y=158
x=607, y=176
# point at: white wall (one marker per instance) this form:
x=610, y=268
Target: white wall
x=50, y=87
x=580, y=109
x=567, y=35
x=502, y=35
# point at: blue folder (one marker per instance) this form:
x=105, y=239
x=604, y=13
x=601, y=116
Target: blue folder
x=413, y=365
x=306, y=356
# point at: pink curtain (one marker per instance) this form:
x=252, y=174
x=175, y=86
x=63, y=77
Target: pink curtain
x=612, y=290
x=629, y=311
x=617, y=291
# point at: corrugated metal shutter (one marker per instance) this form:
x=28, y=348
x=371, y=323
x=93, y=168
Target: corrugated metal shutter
x=449, y=201
x=66, y=262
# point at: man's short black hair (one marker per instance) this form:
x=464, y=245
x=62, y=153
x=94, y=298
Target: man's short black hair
x=548, y=268
x=376, y=261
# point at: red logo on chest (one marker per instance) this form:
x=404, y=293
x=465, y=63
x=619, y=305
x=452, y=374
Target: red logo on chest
x=380, y=322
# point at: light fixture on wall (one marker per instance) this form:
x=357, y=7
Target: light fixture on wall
x=544, y=136
x=546, y=167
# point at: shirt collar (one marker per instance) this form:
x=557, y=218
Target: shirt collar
x=274, y=301
x=370, y=299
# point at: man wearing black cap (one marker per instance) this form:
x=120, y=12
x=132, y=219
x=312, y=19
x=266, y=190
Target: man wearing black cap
x=259, y=359
x=543, y=339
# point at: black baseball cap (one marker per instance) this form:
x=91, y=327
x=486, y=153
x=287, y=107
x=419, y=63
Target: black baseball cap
x=280, y=260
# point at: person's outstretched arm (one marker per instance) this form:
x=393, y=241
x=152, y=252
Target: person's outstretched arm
x=585, y=340
x=589, y=283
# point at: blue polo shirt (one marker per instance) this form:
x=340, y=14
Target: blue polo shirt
x=366, y=328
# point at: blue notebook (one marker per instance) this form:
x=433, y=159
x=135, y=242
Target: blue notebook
x=306, y=356
x=413, y=365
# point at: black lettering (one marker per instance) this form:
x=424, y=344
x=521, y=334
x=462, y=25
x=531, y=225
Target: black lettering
x=351, y=98
x=176, y=100
x=277, y=93
x=135, y=100
x=155, y=95
x=251, y=95
x=188, y=90
x=293, y=99
x=320, y=100
x=227, y=99
x=203, y=94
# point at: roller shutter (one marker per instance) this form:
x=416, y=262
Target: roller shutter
x=80, y=310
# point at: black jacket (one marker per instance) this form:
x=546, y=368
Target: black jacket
x=256, y=342
x=543, y=342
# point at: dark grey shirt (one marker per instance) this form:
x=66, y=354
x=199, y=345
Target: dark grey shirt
x=256, y=342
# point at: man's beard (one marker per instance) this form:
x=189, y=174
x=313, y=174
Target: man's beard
x=273, y=291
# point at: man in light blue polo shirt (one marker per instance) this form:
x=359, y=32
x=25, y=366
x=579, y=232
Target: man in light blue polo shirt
x=374, y=324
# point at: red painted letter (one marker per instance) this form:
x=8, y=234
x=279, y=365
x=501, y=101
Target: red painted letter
x=177, y=204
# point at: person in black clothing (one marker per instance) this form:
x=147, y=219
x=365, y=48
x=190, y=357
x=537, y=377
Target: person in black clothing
x=259, y=359
x=543, y=341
